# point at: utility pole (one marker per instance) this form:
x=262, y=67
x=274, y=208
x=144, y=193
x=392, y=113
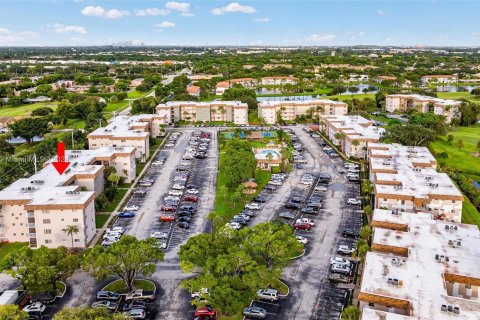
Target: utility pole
x=35, y=161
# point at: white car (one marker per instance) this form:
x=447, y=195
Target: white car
x=354, y=202
x=157, y=163
x=340, y=269
x=307, y=182
x=305, y=220
x=192, y=191
x=117, y=229
x=234, y=225
x=252, y=206
x=175, y=192
x=159, y=235
x=162, y=244
x=344, y=249
x=112, y=234
x=35, y=307
x=169, y=145
x=275, y=182
x=301, y=239
x=178, y=186
x=171, y=198
x=321, y=188
x=131, y=207
x=341, y=261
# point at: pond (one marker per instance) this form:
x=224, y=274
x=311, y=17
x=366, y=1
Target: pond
x=290, y=98
x=361, y=87
x=451, y=88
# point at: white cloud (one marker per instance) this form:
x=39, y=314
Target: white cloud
x=256, y=43
x=178, y=6
x=476, y=34
x=165, y=24
x=152, y=12
x=388, y=40
x=380, y=12
x=4, y=31
x=261, y=19
x=321, y=37
x=233, y=7
x=8, y=37
x=104, y=13
x=61, y=28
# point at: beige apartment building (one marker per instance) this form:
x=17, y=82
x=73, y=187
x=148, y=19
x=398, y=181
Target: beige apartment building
x=128, y=131
x=405, y=179
x=38, y=209
x=350, y=133
x=223, y=111
x=450, y=109
x=291, y=109
x=420, y=268
x=446, y=78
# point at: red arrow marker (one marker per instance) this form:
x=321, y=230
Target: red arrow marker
x=61, y=165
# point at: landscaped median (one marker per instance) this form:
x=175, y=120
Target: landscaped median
x=120, y=287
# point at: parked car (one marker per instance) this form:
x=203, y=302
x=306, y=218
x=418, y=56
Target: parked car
x=140, y=294
x=287, y=215
x=309, y=210
x=184, y=219
x=192, y=191
x=198, y=294
x=340, y=260
x=292, y=205
x=255, y=312
x=159, y=235
x=205, y=311
x=275, y=182
x=126, y=214
x=340, y=269
x=131, y=207
x=268, y=294
x=354, y=202
x=335, y=277
x=35, y=307
x=321, y=188
x=178, y=186
x=108, y=295
x=302, y=226
x=168, y=208
x=167, y=218
x=190, y=198
x=234, y=225
x=183, y=225
x=350, y=233
x=46, y=297
x=175, y=192
x=270, y=187
x=260, y=199
x=305, y=220
x=301, y=239
x=135, y=305
x=252, y=206
x=344, y=249
x=105, y=304
x=136, y=314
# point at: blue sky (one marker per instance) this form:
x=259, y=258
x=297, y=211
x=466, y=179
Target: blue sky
x=266, y=22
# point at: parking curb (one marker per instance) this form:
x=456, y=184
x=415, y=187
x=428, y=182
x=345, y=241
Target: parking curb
x=299, y=256
x=286, y=285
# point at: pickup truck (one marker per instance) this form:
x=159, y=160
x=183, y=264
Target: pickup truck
x=305, y=220
x=140, y=294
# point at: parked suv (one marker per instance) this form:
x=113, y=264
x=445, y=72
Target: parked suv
x=268, y=294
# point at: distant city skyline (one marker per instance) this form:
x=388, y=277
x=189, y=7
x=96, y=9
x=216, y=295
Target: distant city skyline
x=247, y=23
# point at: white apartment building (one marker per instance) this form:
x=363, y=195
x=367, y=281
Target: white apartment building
x=38, y=209
x=355, y=133
x=223, y=111
x=128, y=131
x=405, y=179
x=252, y=82
x=291, y=109
x=405, y=102
x=448, y=78
x=420, y=268
x=277, y=81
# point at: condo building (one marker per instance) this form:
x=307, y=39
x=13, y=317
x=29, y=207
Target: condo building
x=289, y=110
x=405, y=179
x=406, y=102
x=420, y=268
x=351, y=133
x=223, y=111
x=448, y=78
x=128, y=131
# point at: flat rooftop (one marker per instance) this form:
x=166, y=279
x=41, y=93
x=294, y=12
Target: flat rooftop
x=49, y=187
x=126, y=126
x=171, y=104
x=272, y=103
x=355, y=127
x=421, y=276
x=421, y=98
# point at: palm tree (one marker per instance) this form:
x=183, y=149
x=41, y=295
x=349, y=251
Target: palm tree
x=70, y=230
x=339, y=137
x=355, y=143
x=280, y=135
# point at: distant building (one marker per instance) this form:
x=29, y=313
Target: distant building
x=194, y=91
x=267, y=158
x=223, y=111
x=289, y=110
x=278, y=80
x=5, y=121
x=380, y=79
x=439, y=79
x=450, y=109
x=136, y=82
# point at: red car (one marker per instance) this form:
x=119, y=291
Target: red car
x=168, y=208
x=205, y=311
x=302, y=226
x=191, y=198
x=167, y=218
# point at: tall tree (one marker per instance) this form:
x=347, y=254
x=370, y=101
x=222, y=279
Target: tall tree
x=12, y=312
x=351, y=313
x=86, y=313
x=70, y=230
x=28, y=128
x=127, y=259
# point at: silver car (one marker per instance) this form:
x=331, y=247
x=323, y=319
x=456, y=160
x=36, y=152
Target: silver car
x=255, y=312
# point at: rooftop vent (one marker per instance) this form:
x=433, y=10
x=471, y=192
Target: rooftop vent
x=450, y=308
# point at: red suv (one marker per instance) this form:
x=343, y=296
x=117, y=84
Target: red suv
x=205, y=311
x=191, y=198
x=302, y=226
x=168, y=208
x=167, y=218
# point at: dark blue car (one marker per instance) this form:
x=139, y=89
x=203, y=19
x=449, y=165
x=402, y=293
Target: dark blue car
x=126, y=214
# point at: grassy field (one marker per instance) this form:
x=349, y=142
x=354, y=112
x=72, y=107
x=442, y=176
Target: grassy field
x=458, y=95
x=6, y=248
x=463, y=159
x=24, y=109
x=100, y=220
x=470, y=214
x=112, y=205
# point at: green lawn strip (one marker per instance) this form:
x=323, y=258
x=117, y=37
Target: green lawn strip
x=7, y=247
x=139, y=167
x=470, y=214
x=458, y=95
x=119, y=286
x=24, y=109
x=100, y=219
x=280, y=286
x=460, y=159
x=118, y=197
x=238, y=316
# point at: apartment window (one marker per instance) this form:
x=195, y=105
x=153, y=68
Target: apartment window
x=403, y=202
x=124, y=140
x=94, y=144
x=453, y=201
x=46, y=221
x=385, y=199
x=75, y=220
x=45, y=211
x=371, y=304
x=453, y=211
x=76, y=240
x=13, y=224
x=47, y=231
x=47, y=241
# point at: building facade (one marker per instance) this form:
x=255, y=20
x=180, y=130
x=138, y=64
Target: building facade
x=222, y=111
x=289, y=110
x=439, y=79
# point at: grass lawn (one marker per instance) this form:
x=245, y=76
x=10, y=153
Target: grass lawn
x=457, y=95
x=119, y=286
x=470, y=214
x=100, y=219
x=463, y=159
x=112, y=205
x=139, y=167
x=137, y=94
x=24, y=109
x=253, y=116
x=6, y=248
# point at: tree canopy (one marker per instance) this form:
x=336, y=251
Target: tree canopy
x=12, y=312
x=240, y=164
x=28, y=128
x=86, y=313
x=409, y=135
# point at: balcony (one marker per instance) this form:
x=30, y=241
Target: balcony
x=32, y=235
